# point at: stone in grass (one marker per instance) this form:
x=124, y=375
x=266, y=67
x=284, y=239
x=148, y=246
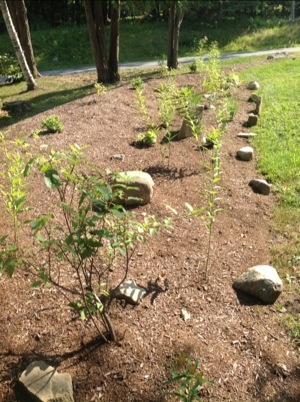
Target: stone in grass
x=253, y=98
x=245, y=154
x=260, y=186
x=136, y=188
x=252, y=120
x=246, y=135
x=130, y=292
x=252, y=85
x=45, y=384
x=261, y=281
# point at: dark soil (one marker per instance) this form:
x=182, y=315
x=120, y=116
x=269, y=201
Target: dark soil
x=238, y=341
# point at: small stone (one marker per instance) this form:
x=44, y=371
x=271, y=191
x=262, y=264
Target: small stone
x=260, y=186
x=252, y=85
x=130, y=292
x=261, y=281
x=245, y=154
x=118, y=157
x=252, y=120
x=246, y=135
x=185, y=315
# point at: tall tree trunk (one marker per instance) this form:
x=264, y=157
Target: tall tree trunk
x=95, y=22
x=175, y=20
x=18, y=14
x=113, y=61
x=17, y=46
x=293, y=11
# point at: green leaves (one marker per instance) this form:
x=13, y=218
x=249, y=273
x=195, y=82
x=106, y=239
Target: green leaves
x=52, y=179
x=189, y=381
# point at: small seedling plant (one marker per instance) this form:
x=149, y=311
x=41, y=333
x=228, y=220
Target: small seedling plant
x=140, y=98
x=190, y=381
x=210, y=196
x=148, y=139
x=53, y=124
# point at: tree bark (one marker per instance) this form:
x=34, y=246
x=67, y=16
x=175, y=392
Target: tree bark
x=175, y=20
x=95, y=22
x=17, y=46
x=293, y=11
x=18, y=14
x=106, y=65
x=113, y=61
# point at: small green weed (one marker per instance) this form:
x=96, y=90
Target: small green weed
x=189, y=379
x=148, y=139
x=53, y=124
x=100, y=88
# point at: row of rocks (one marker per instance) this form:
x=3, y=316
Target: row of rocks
x=261, y=281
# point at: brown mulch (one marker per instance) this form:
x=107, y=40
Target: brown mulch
x=238, y=341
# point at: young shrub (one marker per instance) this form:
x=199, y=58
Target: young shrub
x=53, y=124
x=138, y=84
x=86, y=237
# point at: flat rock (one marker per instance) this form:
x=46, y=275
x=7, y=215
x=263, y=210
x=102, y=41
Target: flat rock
x=246, y=135
x=245, y=154
x=130, y=292
x=261, y=281
x=252, y=120
x=260, y=186
x=45, y=384
x=136, y=188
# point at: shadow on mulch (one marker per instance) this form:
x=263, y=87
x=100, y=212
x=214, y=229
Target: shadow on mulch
x=16, y=368
x=247, y=300
x=171, y=173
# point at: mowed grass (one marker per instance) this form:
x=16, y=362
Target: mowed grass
x=278, y=150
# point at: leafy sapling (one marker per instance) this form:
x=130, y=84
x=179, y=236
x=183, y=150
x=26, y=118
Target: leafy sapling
x=139, y=86
x=210, y=197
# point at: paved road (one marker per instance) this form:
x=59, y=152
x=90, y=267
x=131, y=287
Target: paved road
x=181, y=60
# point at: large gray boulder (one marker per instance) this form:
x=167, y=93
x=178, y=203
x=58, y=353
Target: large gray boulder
x=261, y=281
x=45, y=384
x=136, y=188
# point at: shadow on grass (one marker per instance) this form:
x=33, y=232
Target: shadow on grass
x=42, y=102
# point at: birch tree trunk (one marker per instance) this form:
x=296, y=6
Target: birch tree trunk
x=18, y=13
x=17, y=46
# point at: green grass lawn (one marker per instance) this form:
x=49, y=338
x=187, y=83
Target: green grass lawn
x=69, y=46
x=278, y=149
